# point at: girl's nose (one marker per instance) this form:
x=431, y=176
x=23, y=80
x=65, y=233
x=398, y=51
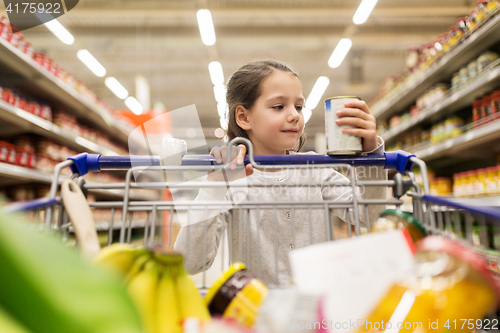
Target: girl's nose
x=293, y=115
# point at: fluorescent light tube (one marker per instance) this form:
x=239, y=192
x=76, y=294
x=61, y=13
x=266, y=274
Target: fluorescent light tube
x=60, y=32
x=221, y=109
x=307, y=114
x=216, y=73
x=91, y=62
x=116, y=87
x=317, y=92
x=364, y=10
x=134, y=105
x=206, y=26
x=223, y=123
x=220, y=93
x=339, y=53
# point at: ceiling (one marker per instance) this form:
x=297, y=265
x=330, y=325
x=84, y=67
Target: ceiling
x=160, y=40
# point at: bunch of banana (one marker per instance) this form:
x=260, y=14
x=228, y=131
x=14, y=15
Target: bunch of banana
x=164, y=294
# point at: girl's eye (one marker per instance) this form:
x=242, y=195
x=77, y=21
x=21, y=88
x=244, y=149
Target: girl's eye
x=299, y=108
x=278, y=107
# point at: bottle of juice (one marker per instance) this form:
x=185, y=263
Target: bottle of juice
x=447, y=283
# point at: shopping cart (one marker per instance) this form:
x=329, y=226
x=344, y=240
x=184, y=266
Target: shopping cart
x=437, y=215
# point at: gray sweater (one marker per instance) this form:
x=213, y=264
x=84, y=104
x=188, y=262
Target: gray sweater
x=262, y=236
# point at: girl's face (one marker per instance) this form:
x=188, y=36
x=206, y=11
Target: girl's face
x=275, y=122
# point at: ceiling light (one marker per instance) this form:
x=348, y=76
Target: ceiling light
x=60, y=32
x=220, y=93
x=206, y=26
x=364, y=10
x=216, y=73
x=134, y=105
x=221, y=109
x=91, y=62
x=340, y=52
x=116, y=87
x=223, y=123
x=219, y=133
x=317, y=92
x=307, y=114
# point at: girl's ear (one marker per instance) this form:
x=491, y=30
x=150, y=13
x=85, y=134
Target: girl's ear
x=242, y=117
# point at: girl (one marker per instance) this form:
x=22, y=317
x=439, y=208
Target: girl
x=265, y=106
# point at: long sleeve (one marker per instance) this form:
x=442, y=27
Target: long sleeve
x=202, y=230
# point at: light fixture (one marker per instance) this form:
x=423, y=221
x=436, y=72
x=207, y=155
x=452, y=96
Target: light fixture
x=206, y=26
x=221, y=109
x=317, y=92
x=220, y=93
x=60, y=32
x=91, y=62
x=216, y=73
x=134, y=105
x=223, y=123
x=364, y=10
x=307, y=114
x=116, y=87
x=339, y=53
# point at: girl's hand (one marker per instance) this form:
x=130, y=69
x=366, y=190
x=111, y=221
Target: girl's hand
x=358, y=114
x=235, y=170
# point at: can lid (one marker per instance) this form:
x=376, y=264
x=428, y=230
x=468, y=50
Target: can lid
x=408, y=217
x=214, y=289
x=462, y=19
x=339, y=97
x=463, y=252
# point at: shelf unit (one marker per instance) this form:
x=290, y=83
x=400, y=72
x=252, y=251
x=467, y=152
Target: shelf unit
x=471, y=139
x=401, y=97
x=27, y=121
x=454, y=101
x=38, y=82
x=21, y=174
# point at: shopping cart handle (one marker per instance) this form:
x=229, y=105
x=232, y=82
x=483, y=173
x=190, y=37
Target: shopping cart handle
x=85, y=163
x=398, y=160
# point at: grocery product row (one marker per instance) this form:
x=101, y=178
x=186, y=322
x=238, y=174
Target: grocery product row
x=434, y=62
x=54, y=86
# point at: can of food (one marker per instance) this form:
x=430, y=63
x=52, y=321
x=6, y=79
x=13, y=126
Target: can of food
x=338, y=142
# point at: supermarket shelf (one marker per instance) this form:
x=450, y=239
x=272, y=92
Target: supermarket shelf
x=37, y=125
x=472, y=138
x=486, y=200
x=16, y=173
x=463, y=97
x=40, y=83
x=484, y=37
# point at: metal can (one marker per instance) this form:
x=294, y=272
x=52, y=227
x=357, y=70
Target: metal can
x=338, y=142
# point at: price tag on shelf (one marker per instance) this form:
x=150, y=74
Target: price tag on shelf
x=352, y=274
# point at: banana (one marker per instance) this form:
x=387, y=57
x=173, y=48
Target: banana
x=142, y=288
x=9, y=324
x=168, y=316
x=137, y=266
x=118, y=257
x=190, y=302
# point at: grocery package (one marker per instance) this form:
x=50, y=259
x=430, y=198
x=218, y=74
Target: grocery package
x=163, y=293
x=392, y=219
x=46, y=287
x=478, y=182
x=236, y=295
x=445, y=277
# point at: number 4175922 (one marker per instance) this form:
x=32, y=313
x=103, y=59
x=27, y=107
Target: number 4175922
x=485, y=324
x=32, y=8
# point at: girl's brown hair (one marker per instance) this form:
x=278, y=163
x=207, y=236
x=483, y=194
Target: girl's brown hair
x=243, y=89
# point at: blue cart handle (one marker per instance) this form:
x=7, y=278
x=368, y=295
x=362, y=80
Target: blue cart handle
x=397, y=160
x=491, y=212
